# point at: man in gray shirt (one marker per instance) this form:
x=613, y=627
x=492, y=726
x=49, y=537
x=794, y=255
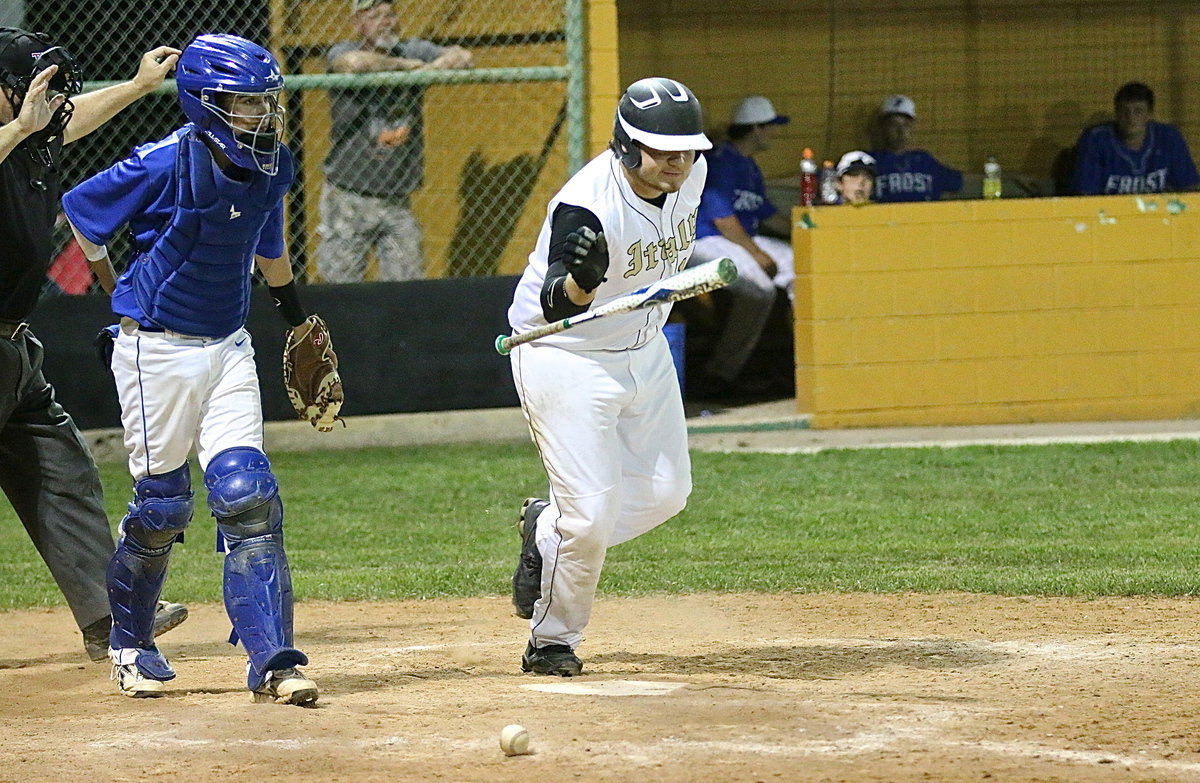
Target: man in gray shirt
x=377, y=159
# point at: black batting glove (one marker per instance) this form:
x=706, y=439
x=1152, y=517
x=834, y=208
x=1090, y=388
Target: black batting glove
x=586, y=257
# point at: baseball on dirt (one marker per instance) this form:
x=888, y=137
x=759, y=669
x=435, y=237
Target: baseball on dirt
x=514, y=740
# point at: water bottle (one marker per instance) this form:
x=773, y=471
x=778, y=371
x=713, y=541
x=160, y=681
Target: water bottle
x=993, y=186
x=808, y=179
x=829, y=191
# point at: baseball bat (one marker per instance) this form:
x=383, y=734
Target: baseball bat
x=682, y=285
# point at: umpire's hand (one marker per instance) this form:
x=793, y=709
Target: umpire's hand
x=39, y=105
x=154, y=67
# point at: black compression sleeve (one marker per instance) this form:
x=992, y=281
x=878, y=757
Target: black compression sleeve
x=287, y=301
x=566, y=218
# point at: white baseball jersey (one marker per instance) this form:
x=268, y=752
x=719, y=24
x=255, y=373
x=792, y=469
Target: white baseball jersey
x=602, y=399
x=645, y=244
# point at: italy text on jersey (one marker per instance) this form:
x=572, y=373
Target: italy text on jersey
x=646, y=256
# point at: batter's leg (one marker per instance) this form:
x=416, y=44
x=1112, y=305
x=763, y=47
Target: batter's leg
x=656, y=470
x=571, y=402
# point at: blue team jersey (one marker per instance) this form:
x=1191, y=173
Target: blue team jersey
x=734, y=187
x=190, y=270
x=140, y=191
x=1104, y=165
x=914, y=175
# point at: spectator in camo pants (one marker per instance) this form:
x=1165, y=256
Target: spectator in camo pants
x=377, y=159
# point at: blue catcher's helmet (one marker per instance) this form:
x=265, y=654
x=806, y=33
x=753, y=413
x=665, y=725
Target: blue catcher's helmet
x=229, y=87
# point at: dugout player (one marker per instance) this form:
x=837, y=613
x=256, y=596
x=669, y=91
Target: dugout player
x=733, y=211
x=855, y=178
x=204, y=205
x=602, y=401
x=1134, y=153
x=902, y=171
x=46, y=469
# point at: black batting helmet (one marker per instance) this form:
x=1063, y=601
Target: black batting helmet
x=661, y=114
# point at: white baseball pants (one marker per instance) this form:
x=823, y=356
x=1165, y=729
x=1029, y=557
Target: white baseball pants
x=178, y=392
x=610, y=429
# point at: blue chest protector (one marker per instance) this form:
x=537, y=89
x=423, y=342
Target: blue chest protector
x=195, y=279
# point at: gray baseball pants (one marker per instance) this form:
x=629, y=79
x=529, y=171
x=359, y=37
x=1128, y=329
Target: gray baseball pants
x=51, y=480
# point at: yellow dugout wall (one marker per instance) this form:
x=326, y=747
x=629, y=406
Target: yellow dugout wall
x=998, y=311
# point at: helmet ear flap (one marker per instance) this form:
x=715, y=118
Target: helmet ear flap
x=625, y=148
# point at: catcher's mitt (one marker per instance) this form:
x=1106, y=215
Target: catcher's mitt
x=311, y=376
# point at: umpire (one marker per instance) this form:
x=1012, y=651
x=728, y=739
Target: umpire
x=46, y=469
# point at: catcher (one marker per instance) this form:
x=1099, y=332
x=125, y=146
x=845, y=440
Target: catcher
x=205, y=206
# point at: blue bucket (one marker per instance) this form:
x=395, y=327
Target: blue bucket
x=676, y=335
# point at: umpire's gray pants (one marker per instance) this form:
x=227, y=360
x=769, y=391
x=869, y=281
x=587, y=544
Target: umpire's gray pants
x=51, y=480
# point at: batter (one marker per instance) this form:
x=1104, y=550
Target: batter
x=602, y=401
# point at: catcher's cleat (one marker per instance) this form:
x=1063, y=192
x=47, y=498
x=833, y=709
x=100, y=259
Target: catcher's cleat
x=558, y=660
x=95, y=636
x=527, y=579
x=286, y=686
x=140, y=673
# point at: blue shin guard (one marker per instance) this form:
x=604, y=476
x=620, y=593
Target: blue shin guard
x=161, y=509
x=258, y=599
x=244, y=497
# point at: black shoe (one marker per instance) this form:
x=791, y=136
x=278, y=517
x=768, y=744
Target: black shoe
x=555, y=659
x=527, y=579
x=95, y=636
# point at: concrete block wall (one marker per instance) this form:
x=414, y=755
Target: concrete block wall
x=999, y=311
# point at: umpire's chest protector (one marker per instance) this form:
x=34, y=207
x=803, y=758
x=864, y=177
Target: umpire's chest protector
x=195, y=279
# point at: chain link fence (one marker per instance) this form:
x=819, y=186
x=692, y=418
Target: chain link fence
x=455, y=119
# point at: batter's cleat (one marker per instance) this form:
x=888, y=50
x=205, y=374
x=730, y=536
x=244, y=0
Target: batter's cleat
x=140, y=673
x=95, y=636
x=558, y=660
x=527, y=579
x=286, y=686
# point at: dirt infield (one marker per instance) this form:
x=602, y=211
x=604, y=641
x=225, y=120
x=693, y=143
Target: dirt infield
x=725, y=688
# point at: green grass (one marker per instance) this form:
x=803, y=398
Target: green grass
x=1115, y=519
